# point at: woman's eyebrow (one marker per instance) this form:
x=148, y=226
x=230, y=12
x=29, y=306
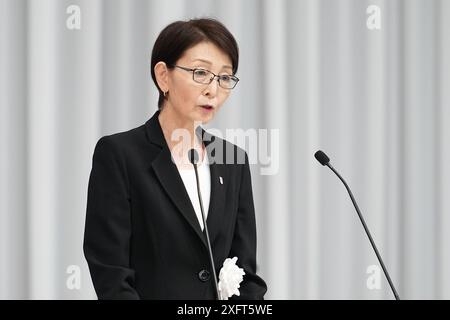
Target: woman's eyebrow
x=209, y=62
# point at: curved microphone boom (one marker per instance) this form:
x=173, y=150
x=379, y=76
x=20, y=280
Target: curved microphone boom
x=193, y=158
x=325, y=161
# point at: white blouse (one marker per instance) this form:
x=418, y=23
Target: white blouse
x=190, y=183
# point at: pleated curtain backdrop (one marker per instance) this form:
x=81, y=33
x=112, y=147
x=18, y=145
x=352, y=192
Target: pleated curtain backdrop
x=313, y=76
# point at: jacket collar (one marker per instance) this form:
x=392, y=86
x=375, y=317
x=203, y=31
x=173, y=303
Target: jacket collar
x=156, y=135
x=154, y=131
x=171, y=181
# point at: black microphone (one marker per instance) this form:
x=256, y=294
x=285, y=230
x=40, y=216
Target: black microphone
x=193, y=158
x=325, y=161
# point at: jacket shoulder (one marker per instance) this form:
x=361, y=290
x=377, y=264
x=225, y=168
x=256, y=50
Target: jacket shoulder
x=123, y=140
x=226, y=152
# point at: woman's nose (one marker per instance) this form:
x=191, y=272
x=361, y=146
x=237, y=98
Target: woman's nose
x=211, y=89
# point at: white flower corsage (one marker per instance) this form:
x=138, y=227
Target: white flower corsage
x=230, y=277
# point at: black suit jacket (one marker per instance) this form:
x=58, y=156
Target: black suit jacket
x=142, y=237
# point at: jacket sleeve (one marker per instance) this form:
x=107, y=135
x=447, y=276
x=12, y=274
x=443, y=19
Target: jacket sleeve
x=108, y=224
x=244, y=240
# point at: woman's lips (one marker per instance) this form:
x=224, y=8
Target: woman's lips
x=207, y=107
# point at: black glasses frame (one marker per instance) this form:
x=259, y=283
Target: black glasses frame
x=234, y=78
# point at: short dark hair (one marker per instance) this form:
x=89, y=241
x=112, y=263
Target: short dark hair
x=180, y=36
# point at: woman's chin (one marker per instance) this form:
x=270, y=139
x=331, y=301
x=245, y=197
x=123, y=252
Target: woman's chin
x=206, y=115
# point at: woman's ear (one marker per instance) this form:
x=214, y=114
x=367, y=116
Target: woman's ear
x=162, y=76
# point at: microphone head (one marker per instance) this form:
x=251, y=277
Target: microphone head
x=322, y=157
x=193, y=156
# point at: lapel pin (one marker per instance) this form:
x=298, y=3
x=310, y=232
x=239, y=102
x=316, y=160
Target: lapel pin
x=221, y=180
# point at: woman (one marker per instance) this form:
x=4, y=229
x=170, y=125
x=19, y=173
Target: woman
x=144, y=234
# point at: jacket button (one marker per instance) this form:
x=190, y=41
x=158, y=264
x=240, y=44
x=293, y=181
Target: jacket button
x=204, y=275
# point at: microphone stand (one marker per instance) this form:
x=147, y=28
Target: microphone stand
x=325, y=161
x=193, y=156
x=367, y=232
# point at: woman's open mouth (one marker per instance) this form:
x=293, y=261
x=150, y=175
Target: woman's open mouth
x=207, y=107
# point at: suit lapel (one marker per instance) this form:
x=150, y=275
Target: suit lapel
x=167, y=174
x=218, y=184
x=217, y=200
x=170, y=179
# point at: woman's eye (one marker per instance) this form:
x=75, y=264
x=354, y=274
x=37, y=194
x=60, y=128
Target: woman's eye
x=201, y=73
x=225, y=78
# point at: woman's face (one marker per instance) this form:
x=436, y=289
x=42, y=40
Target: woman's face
x=192, y=101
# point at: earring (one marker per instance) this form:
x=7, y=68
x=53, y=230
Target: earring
x=165, y=93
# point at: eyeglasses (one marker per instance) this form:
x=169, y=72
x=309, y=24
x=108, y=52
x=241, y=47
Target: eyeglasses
x=203, y=76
